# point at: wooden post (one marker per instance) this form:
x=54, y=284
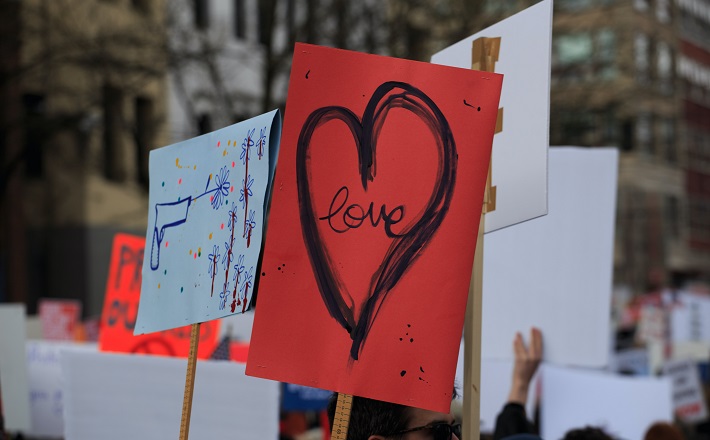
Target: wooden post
x=189, y=381
x=341, y=421
x=472, y=344
x=484, y=54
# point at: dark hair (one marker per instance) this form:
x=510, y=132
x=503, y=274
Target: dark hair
x=374, y=417
x=663, y=431
x=371, y=417
x=587, y=433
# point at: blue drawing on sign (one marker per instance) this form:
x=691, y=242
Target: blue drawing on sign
x=168, y=215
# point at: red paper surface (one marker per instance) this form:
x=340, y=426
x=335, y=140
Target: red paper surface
x=367, y=296
x=238, y=351
x=59, y=318
x=121, y=307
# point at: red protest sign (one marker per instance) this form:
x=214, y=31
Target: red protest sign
x=373, y=224
x=118, y=318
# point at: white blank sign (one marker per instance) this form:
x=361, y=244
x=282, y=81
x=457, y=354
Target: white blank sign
x=519, y=155
x=115, y=396
x=623, y=406
x=13, y=368
x=555, y=272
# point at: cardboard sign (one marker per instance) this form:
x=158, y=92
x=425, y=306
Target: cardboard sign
x=634, y=361
x=59, y=318
x=373, y=225
x=555, y=272
x=653, y=324
x=45, y=382
x=121, y=307
x=300, y=398
x=14, y=399
x=206, y=218
x=623, y=406
x=519, y=48
x=118, y=397
x=688, y=398
x=690, y=318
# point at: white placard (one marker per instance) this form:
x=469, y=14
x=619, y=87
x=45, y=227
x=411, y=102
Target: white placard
x=623, y=406
x=653, y=324
x=519, y=156
x=13, y=368
x=688, y=398
x=115, y=396
x=555, y=272
x=698, y=351
x=496, y=378
x=690, y=318
x=633, y=360
x=45, y=373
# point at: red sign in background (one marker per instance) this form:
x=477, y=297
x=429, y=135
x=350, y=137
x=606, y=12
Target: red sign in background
x=121, y=308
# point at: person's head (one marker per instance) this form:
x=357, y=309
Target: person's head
x=376, y=420
x=663, y=431
x=587, y=433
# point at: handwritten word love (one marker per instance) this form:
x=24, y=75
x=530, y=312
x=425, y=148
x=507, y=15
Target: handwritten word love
x=354, y=215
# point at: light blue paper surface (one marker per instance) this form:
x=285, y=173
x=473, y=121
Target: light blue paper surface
x=207, y=209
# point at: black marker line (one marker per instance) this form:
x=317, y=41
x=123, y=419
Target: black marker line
x=406, y=247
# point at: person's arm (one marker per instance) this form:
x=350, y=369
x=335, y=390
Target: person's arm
x=512, y=418
x=527, y=360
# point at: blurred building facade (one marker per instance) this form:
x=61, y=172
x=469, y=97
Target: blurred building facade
x=634, y=74
x=84, y=85
x=215, y=77
x=89, y=87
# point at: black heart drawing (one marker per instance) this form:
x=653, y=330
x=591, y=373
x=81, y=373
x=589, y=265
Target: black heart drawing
x=406, y=246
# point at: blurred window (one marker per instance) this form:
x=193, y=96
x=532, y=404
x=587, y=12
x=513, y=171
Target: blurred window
x=664, y=67
x=144, y=129
x=584, y=56
x=573, y=48
x=114, y=166
x=35, y=108
x=574, y=5
x=204, y=123
x=644, y=133
x=239, y=20
x=663, y=11
x=142, y=6
x=201, y=13
x=668, y=139
x=641, y=57
x=672, y=216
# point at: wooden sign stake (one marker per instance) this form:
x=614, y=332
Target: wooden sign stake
x=341, y=421
x=189, y=381
x=484, y=53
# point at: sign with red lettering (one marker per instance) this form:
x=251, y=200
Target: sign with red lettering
x=373, y=224
x=59, y=318
x=688, y=397
x=118, y=318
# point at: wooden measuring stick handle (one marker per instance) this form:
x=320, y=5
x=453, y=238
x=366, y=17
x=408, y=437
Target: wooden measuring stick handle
x=189, y=381
x=341, y=421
